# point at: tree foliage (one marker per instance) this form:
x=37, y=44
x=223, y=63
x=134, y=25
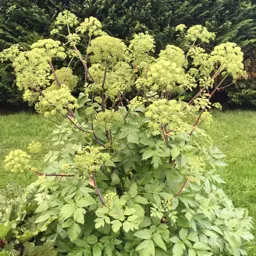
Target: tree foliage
x=130, y=172
x=231, y=20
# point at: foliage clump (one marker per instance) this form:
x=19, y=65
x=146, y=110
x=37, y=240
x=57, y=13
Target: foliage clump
x=131, y=173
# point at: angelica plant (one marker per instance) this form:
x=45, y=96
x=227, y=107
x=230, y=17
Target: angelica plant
x=129, y=172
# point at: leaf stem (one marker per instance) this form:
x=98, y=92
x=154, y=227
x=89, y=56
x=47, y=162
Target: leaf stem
x=97, y=189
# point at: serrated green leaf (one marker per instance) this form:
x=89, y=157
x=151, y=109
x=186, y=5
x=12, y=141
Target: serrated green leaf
x=207, y=186
x=127, y=226
x=67, y=211
x=178, y=249
x=183, y=233
x=217, y=229
x=96, y=250
x=192, y=237
x=115, y=179
x=147, y=154
x=99, y=223
x=42, y=207
x=92, y=239
x=129, y=211
x=4, y=229
x=220, y=163
x=101, y=212
x=159, y=241
x=188, y=216
x=67, y=223
x=86, y=190
x=43, y=218
x=191, y=252
x=156, y=161
x=109, y=163
x=143, y=234
x=133, y=138
x=151, y=248
x=87, y=200
x=74, y=231
x=175, y=239
x=116, y=225
x=143, y=245
x=201, y=246
x=79, y=215
x=157, y=199
x=174, y=152
x=133, y=191
x=140, y=200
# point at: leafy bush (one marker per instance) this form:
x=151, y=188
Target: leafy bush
x=243, y=98
x=244, y=95
x=130, y=173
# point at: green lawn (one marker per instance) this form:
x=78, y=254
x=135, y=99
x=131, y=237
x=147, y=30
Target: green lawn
x=234, y=133
x=16, y=132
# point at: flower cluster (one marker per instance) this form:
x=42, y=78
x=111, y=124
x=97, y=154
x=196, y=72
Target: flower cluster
x=35, y=147
x=32, y=70
x=107, y=50
x=200, y=60
x=164, y=75
x=50, y=48
x=174, y=54
x=30, y=96
x=167, y=115
x=110, y=198
x=180, y=27
x=90, y=26
x=199, y=32
x=229, y=57
x=118, y=80
x=108, y=119
x=140, y=47
x=66, y=77
x=202, y=102
x=17, y=161
x=56, y=100
x=65, y=18
x=90, y=160
x=167, y=73
x=73, y=38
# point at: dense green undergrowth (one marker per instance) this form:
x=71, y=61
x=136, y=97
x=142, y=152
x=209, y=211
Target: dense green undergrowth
x=233, y=132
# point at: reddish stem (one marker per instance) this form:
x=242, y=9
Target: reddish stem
x=182, y=188
x=97, y=189
x=54, y=73
x=55, y=175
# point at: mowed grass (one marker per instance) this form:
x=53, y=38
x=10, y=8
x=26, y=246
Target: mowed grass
x=234, y=132
x=16, y=132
